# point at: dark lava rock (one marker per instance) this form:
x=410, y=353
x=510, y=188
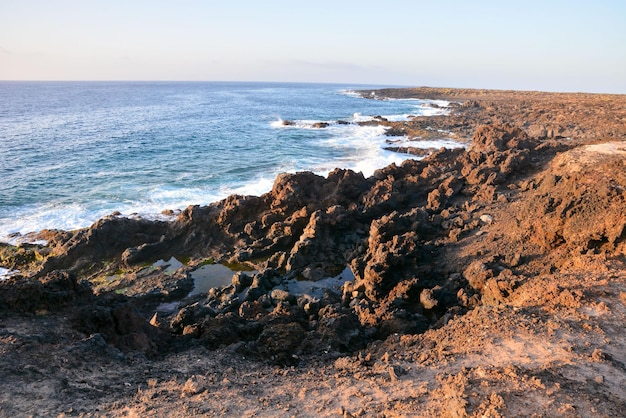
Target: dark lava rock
x=123, y=327
x=56, y=290
x=279, y=343
x=226, y=330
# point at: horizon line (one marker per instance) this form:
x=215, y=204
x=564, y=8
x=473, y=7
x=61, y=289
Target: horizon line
x=390, y=85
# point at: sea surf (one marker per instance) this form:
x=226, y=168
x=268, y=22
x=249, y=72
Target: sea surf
x=73, y=152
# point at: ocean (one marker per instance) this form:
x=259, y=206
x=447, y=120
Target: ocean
x=73, y=152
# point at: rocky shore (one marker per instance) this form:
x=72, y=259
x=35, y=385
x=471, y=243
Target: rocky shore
x=487, y=281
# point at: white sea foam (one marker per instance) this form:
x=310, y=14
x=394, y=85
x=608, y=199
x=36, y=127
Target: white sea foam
x=6, y=273
x=301, y=124
x=429, y=107
x=436, y=144
x=433, y=111
x=170, y=197
x=363, y=147
x=351, y=93
x=14, y=229
x=423, y=107
x=257, y=187
x=399, y=118
x=279, y=123
x=358, y=117
x=23, y=222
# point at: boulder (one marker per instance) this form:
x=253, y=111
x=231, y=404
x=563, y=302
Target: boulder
x=279, y=343
x=57, y=290
x=496, y=152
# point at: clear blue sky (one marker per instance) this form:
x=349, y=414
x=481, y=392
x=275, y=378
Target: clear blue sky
x=532, y=45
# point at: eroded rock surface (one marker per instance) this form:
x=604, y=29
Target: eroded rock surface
x=389, y=229
x=477, y=253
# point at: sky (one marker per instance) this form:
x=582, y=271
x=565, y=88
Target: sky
x=524, y=45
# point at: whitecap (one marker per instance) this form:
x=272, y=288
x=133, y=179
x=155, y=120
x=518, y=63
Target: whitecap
x=18, y=227
x=302, y=123
x=257, y=187
x=351, y=93
x=279, y=123
x=6, y=273
x=436, y=144
x=171, y=197
x=399, y=118
x=364, y=151
x=358, y=117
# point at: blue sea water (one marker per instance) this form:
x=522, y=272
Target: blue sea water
x=72, y=152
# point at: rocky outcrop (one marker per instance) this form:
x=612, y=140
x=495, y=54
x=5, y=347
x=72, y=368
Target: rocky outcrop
x=393, y=230
x=53, y=292
x=308, y=226
x=110, y=237
x=579, y=116
x=508, y=251
x=496, y=152
x=420, y=152
x=579, y=202
x=122, y=326
x=393, y=253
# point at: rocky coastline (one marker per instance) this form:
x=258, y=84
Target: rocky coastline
x=456, y=258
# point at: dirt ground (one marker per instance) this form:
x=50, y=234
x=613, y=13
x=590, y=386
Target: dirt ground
x=537, y=330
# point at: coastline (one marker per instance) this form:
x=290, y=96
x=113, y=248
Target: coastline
x=452, y=256
x=152, y=155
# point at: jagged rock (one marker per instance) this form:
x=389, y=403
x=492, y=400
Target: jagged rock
x=251, y=310
x=427, y=299
x=241, y=280
x=497, y=290
x=386, y=228
x=395, y=131
x=95, y=344
x=391, y=325
x=477, y=275
x=309, y=306
x=489, y=139
x=122, y=326
x=105, y=239
x=495, y=153
x=339, y=330
x=420, y=152
x=279, y=343
x=320, y=243
x=56, y=290
x=184, y=317
x=279, y=295
x=392, y=253
x=226, y=330
x=253, y=293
